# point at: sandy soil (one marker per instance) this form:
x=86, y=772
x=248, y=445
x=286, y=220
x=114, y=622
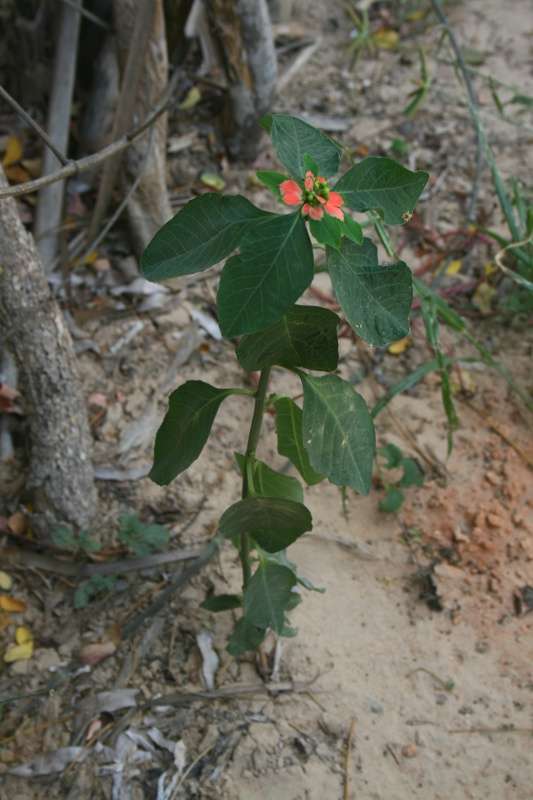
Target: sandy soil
x=419, y=655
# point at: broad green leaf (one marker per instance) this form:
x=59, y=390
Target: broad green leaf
x=338, y=432
x=281, y=558
x=245, y=637
x=274, y=268
x=352, y=230
x=306, y=336
x=384, y=185
x=271, y=180
x=328, y=230
x=376, y=299
x=269, y=483
x=392, y=501
x=222, y=602
x=192, y=409
x=274, y=523
x=203, y=233
x=268, y=596
x=290, y=439
x=294, y=139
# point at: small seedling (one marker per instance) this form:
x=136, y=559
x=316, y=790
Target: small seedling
x=269, y=264
x=412, y=476
x=140, y=537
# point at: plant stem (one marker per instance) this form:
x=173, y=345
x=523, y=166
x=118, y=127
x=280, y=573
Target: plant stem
x=251, y=447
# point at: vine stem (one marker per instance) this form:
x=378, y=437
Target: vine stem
x=251, y=447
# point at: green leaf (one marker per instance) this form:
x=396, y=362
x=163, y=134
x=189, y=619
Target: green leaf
x=203, y=233
x=412, y=474
x=393, y=455
x=273, y=522
x=87, y=590
x=328, y=230
x=274, y=268
x=382, y=184
x=141, y=538
x=271, y=180
x=269, y=483
x=295, y=141
x=306, y=336
x=338, y=432
x=376, y=299
x=405, y=384
x=222, y=602
x=281, y=558
x=392, y=501
x=245, y=637
x=268, y=596
x=192, y=409
x=290, y=439
x=352, y=230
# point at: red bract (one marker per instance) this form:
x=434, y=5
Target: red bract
x=315, y=197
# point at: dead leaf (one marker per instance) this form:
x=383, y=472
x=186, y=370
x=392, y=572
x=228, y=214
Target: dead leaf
x=19, y=652
x=386, y=38
x=483, y=297
x=50, y=763
x=210, y=659
x=192, y=98
x=399, y=347
x=213, y=181
x=8, y=603
x=454, y=266
x=23, y=635
x=18, y=523
x=7, y=396
x=13, y=151
x=6, y=581
x=5, y=620
x=17, y=174
x=94, y=653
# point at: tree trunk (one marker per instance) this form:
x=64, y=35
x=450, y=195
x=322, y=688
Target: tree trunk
x=243, y=31
x=60, y=482
x=149, y=208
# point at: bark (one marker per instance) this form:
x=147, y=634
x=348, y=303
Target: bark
x=60, y=482
x=149, y=208
x=244, y=33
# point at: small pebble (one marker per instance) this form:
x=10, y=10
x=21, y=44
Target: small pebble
x=409, y=750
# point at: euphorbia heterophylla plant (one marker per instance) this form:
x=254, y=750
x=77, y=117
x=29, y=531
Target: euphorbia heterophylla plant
x=269, y=265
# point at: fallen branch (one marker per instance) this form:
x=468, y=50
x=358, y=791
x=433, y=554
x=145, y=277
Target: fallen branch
x=89, y=162
x=228, y=692
x=18, y=558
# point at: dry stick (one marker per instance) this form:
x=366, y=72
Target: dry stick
x=50, y=203
x=89, y=162
x=88, y=14
x=33, y=124
x=18, y=558
x=347, y=781
x=126, y=107
x=441, y=16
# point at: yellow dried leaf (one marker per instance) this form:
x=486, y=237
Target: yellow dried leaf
x=6, y=581
x=19, y=652
x=13, y=151
x=399, y=347
x=415, y=16
x=489, y=268
x=5, y=620
x=454, y=266
x=8, y=603
x=17, y=174
x=386, y=38
x=483, y=298
x=23, y=635
x=213, y=180
x=193, y=97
